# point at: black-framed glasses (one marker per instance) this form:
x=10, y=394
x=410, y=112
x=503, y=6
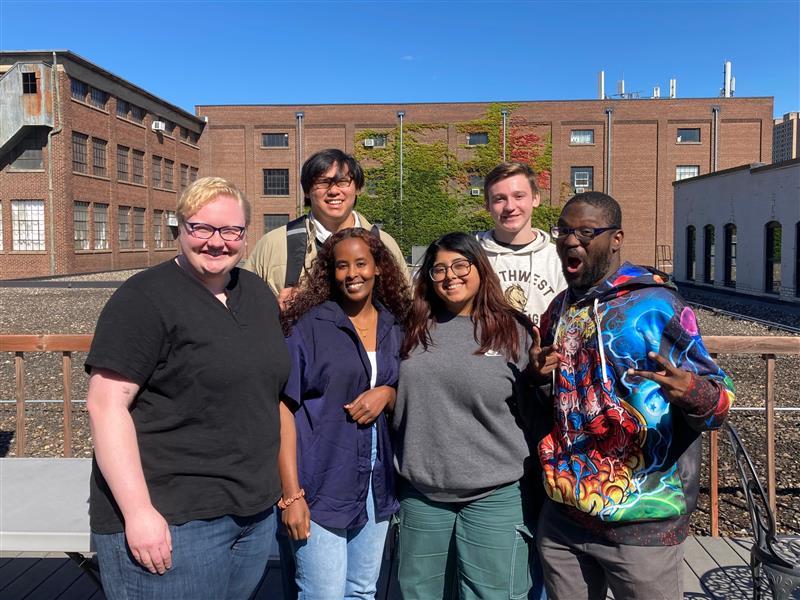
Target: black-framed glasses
x=204, y=231
x=584, y=234
x=326, y=183
x=460, y=268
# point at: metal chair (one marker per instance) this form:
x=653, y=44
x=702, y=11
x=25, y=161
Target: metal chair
x=774, y=557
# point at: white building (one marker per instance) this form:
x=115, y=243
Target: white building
x=739, y=229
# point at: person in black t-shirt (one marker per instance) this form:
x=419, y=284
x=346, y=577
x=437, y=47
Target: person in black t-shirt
x=186, y=365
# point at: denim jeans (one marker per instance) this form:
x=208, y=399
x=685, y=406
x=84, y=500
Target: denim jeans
x=342, y=563
x=214, y=559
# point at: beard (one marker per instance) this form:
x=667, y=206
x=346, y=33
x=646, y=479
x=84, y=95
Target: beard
x=592, y=273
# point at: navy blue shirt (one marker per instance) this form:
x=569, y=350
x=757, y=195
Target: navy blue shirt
x=330, y=368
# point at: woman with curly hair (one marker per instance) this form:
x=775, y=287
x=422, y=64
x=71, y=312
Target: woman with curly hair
x=344, y=337
x=460, y=444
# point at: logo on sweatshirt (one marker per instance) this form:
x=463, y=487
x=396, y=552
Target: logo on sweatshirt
x=492, y=353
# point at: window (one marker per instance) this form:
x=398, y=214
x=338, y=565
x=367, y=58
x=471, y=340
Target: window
x=184, y=176
x=708, y=254
x=730, y=255
x=79, y=90
x=274, y=221
x=172, y=222
x=80, y=223
x=138, y=228
x=169, y=126
x=478, y=138
x=169, y=169
x=476, y=182
x=686, y=171
x=123, y=152
x=138, y=166
x=27, y=225
x=123, y=227
x=100, y=222
x=192, y=173
x=99, y=157
x=190, y=136
x=98, y=98
x=276, y=182
x=123, y=108
x=691, y=240
x=158, y=229
x=137, y=114
x=688, y=136
x=28, y=155
x=582, y=178
x=29, y=83
x=274, y=140
x=156, y=171
x=773, y=256
x=581, y=136
x=380, y=140
x=79, y=159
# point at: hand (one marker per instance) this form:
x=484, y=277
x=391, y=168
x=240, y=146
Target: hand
x=148, y=537
x=285, y=296
x=674, y=382
x=543, y=361
x=369, y=405
x=297, y=519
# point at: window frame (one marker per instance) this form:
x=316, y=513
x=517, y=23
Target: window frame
x=679, y=168
x=137, y=160
x=280, y=219
x=138, y=226
x=28, y=86
x=691, y=253
x=28, y=232
x=471, y=143
x=80, y=150
x=81, y=243
x=124, y=227
x=271, y=188
x=771, y=261
x=123, y=160
x=573, y=173
x=100, y=226
x=574, y=140
x=99, y=157
x=729, y=246
x=679, y=140
x=274, y=135
x=709, y=253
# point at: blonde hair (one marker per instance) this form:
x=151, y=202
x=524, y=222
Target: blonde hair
x=205, y=190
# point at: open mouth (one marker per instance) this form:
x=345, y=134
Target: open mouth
x=354, y=286
x=573, y=264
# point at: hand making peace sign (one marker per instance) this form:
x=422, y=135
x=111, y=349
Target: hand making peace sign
x=675, y=382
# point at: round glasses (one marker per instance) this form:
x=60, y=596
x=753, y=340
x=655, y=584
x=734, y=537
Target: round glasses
x=327, y=183
x=204, y=231
x=460, y=268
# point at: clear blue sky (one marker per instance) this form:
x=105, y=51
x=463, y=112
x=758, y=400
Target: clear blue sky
x=331, y=52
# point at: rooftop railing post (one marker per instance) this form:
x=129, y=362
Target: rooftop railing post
x=19, y=368
x=770, y=430
x=66, y=368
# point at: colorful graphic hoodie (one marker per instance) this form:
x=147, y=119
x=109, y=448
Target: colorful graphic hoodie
x=620, y=455
x=530, y=276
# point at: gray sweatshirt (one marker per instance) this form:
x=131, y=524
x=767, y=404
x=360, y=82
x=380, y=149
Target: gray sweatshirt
x=456, y=434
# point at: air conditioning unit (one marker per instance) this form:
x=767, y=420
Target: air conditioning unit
x=369, y=143
x=579, y=189
x=475, y=191
x=172, y=221
x=159, y=126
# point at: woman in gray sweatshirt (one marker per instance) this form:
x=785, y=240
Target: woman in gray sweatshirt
x=460, y=445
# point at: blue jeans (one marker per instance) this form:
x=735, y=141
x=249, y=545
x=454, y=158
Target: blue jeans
x=222, y=558
x=342, y=563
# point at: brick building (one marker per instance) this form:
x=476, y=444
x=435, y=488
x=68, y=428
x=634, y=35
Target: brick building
x=785, y=142
x=632, y=148
x=90, y=167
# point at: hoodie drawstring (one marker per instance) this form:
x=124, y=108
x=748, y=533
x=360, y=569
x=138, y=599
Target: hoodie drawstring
x=600, y=341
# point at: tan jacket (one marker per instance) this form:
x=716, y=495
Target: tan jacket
x=268, y=258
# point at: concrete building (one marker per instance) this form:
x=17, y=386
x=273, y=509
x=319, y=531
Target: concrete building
x=784, y=138
x=631, y=148
x=90, y=167
x=739, y=230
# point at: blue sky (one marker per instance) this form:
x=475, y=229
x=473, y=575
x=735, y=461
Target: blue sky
x=334, y=52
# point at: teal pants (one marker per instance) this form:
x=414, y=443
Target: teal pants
x=463, y=550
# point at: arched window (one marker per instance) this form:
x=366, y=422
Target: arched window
x=691, y=240
x=772, y=267
x=730, y=255
x=708, y=254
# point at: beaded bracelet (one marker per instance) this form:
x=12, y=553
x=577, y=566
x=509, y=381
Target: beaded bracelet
x=285, y=503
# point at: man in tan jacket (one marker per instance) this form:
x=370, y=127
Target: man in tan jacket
x=330, y=179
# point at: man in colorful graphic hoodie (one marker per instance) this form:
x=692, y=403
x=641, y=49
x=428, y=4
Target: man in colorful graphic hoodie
x=522, y=256
x=633, y=390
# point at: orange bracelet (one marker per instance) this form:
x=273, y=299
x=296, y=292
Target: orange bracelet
x=285, y=503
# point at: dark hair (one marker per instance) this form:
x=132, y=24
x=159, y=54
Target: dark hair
x=321, y=161
x=607, y=204
x=508, y=169
x=494, y=319
x=391, y=288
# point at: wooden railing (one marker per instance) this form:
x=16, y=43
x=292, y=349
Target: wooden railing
x=766, y=346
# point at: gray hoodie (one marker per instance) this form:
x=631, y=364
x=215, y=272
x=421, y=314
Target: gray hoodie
x=530, y=276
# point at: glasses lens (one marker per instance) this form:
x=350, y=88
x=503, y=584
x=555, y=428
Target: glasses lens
x=343, y=183
x=461, y=267
x=585, y=233
x=231, y=234
x=438, y=273
x=200, y=230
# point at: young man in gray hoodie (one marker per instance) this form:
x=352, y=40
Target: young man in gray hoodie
x=521, y=255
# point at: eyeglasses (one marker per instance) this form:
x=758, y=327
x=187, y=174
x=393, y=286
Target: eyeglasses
x=204, y=231
x=584, y=234
x=460, y=268
x=327, y=182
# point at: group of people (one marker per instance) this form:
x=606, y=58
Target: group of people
x=527, y=410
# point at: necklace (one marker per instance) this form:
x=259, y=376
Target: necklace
x=371, y=322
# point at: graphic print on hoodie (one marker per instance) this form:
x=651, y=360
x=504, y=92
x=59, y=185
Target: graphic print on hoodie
x=618, y=450
x=530, y=276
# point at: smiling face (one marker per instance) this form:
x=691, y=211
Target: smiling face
x=457, y=292
x=211, y=260
x=332, y=204
x=585, y=264
x=511, y=202
x=354, y=272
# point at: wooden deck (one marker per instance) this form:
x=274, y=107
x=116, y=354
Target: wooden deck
x=714, y=569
